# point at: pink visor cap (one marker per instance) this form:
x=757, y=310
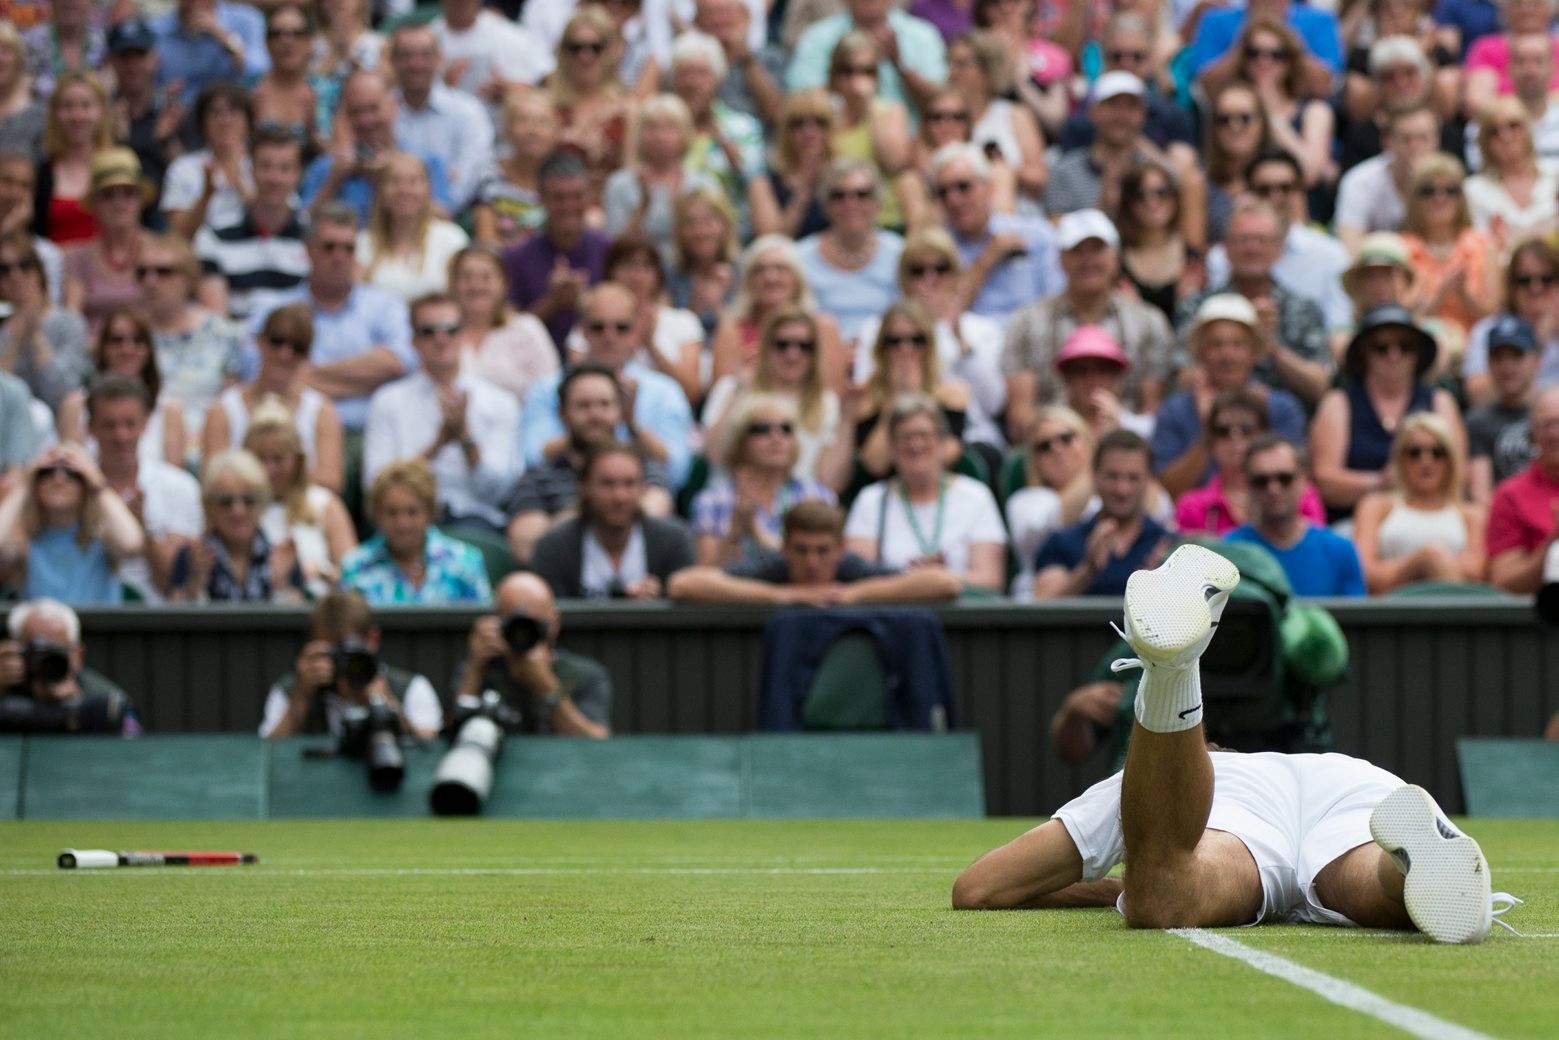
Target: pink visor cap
x=1092, y=341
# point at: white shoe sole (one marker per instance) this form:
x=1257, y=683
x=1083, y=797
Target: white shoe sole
x=1173, y=607
x=1447, y=884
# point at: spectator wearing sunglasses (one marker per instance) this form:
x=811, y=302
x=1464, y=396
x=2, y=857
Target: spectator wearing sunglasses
x=1213, y=55
x=655, y=410
x=263, y=252
x=43, y=345
x=1456, y=269
x=905, y=362
x=1318, y=562
x=913, y=61
x=1421, y=529
x=63, y=533
x=1385, y=368
x=1128, y=45
x=1531, y=292
x=1499, y=434
x=739, y=516
x=285, y=342
x=362, y=335
x=462, y=425
x=1235, y=420
x=233, y=561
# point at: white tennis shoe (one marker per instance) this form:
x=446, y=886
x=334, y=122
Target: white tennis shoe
x=1447, y=878
x=1172, y=611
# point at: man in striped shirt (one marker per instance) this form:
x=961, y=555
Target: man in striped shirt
x=264, y=252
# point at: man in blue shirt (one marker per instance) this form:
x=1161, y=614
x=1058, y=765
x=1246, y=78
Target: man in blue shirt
x=204, y=42
x=1226, y=341
x=362, y=335
x=370, y=111
x=1012, y=260
x=659, y=420
x=1094, y=557
x=1317, y=561
x=1212, y=58
x=1470, y=18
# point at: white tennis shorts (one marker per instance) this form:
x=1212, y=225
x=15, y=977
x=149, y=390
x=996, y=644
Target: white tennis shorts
x=1295, y=813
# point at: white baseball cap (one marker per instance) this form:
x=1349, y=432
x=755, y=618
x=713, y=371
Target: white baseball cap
x=1224, y=307
x=1079, y=226
x=1114, y=84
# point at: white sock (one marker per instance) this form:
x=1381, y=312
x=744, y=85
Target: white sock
x=1169, y=699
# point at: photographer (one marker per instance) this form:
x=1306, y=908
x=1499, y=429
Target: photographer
x=339, y=670
x=515, y=653
x=43, y=686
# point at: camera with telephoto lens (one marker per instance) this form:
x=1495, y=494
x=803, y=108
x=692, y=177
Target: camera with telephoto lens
x=46, y=662
x=464, y=777
x=1547, y=602
x=521, y=633
x=353, y=663
x=372, y=732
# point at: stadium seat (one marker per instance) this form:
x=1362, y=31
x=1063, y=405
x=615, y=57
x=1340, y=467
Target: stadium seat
x=496, y=556
x=1013, y=474
x=698, y=475
x=1470, y=589
x=849, y=689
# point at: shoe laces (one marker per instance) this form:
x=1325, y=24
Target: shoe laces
x=1499, y=903
x=1125, y=664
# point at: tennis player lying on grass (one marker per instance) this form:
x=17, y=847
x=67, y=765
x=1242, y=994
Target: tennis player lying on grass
x=1219, y=839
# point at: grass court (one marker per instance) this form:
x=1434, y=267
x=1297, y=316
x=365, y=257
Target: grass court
x=436, y=928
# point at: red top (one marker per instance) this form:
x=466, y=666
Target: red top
x=1521, y=515
x=69, y=222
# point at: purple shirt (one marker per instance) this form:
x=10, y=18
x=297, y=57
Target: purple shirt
x=529, y=267
x=950, y=20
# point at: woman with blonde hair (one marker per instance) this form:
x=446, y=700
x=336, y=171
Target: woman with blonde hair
x=511, y=349
x=1269, y=56
x=1057, y=487
x=872, y=129
x=946, y=120
x=64, y=532
x=1419, y=528
x=788, y=364
x=77, y=127
x=1512, y=197
x=409, y=560
x=640, y=197
x=308, y=515
x=705, y=255
x=783, y=199
x=1456, y=275
x=507, y=210
x=234, y=561
x=905, y=360
x=1237, y=130
x=284, y=342
x=596, y=112
x=771, y=277
x=21, y=115
x=406, y=247
x=979, y=67
x=740, y=514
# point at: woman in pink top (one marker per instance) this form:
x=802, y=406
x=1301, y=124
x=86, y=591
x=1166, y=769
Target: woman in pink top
x=1223, y=503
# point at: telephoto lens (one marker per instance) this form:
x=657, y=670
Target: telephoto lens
x=46, y=662
x=386, y=764
x=521, y=633
x=465, y=775
x=1547, y=602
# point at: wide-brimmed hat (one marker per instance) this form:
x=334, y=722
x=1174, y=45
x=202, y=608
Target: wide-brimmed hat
x=1389, y=316
x=112, y=168
x=1378, y=249
x=1092, y=341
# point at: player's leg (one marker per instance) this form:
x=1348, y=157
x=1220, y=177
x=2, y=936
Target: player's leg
x=1178, y=873
x=1365, y=886
x=1039, y=869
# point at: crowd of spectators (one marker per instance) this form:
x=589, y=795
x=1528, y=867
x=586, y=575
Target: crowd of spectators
x=813, y=301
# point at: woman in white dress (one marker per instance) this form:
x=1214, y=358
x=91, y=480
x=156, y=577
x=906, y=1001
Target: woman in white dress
x=284, y=342
x=406, y=247
x=308, y=514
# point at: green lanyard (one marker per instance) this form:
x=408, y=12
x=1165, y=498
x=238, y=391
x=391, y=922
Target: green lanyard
x=927, y=547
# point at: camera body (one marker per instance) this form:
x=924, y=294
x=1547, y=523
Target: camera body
x=464, y=777
x=353, y=662
x=521, y=632
x=372, y=732
x=46, y=662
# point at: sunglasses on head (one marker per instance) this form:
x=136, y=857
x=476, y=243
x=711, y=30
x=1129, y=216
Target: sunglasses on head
x=1060, y=440
x=598, y=327
x=921, y=270
x=449, y=328
x=144, y=271
x=805, y=346
x=226, y=501
x=1283, y=479
x=915, y=339
x=579, y=47
x=763, y=429
x=948, y=188
x=1235, y=118
x=1418, y=451
x=858, y=194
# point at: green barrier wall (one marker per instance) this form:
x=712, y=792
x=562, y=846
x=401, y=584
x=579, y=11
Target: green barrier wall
x=1425, y=672
x=233, y=777
x=1510, y=777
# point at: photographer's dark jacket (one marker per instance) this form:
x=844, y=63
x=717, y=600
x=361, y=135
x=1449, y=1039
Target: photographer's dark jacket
x=419, y=704
x=101, y=708
x=584, y=680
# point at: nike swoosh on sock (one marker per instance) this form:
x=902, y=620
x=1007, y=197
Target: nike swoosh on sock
x=1190, y=711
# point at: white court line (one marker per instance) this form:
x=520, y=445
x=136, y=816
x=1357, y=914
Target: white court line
x=1345, y=994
